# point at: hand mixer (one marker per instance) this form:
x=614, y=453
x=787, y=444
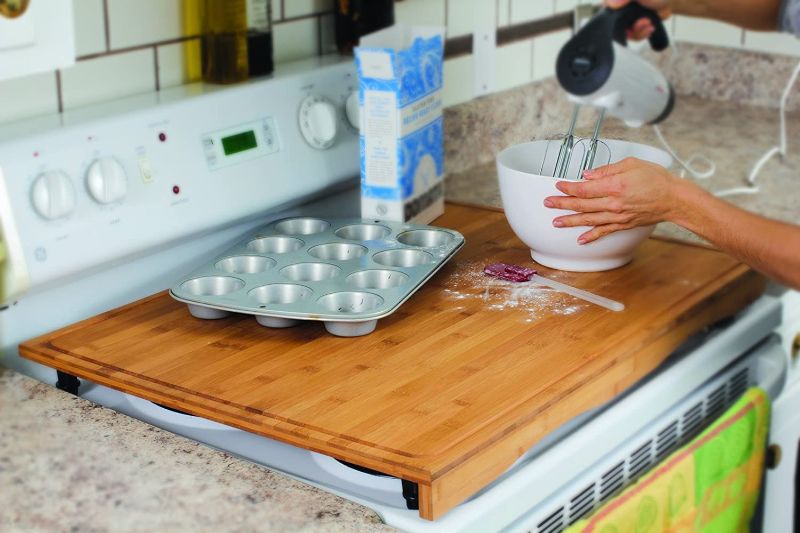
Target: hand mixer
x=597, y=69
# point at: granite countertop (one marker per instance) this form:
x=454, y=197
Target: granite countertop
x=733, y=135
x=67, y=464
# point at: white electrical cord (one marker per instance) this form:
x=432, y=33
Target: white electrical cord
x=780, y=150
x=689, y=165
x=782, y=147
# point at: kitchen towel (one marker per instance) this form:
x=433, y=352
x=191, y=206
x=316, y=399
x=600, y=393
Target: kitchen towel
x=711, y=485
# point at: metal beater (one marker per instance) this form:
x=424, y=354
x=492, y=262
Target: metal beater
x=569, y=143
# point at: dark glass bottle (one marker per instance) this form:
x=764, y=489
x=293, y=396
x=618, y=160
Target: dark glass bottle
x=237, y=40
x=259, y=37
x=355, y=18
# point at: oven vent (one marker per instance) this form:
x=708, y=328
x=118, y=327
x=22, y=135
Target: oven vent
x=640, y=461
x=553, y=523
x=667, y=441
x=715, y=404
x=582, y=504
x=692, y=421
x=612, y=481
x=738, y=385
x=684, y=425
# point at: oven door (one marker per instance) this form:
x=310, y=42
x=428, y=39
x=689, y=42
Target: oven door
x=781, y=490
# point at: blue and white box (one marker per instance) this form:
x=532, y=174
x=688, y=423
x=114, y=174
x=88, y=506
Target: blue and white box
x=400, y=94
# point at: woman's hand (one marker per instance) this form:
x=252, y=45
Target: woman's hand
x=616, y=197
x=643, y=28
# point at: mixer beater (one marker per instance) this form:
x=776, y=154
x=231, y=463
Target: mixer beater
x=562, y=165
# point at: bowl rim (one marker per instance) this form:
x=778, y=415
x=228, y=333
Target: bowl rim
x=498, y=158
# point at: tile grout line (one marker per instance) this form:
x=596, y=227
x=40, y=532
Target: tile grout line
x=106, y=26
x=138, y=47
x=155, y=63
x=319, y=35
x=446, y=18
x=59, y=92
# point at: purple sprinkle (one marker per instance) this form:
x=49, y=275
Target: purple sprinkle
x=507, y=272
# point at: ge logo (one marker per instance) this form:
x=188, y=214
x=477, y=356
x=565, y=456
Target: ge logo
x=40, y=254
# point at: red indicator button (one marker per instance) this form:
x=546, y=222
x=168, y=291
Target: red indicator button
x=162, y=137
x=176, y=189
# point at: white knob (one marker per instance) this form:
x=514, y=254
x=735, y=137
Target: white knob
x=53, y=195
x=351, y=109
x=107, y=181
x=318, y=122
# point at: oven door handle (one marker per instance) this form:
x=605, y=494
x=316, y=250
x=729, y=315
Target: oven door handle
x=14, y=276
x=772, y=366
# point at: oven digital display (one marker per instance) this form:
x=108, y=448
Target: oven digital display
x=240, y=142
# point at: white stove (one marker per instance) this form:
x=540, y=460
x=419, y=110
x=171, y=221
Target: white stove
x=113, y=203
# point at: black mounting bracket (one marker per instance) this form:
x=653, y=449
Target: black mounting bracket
x=411, y=494
x=67, y=382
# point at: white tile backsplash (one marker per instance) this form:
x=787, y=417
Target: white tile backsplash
x=108, y=77
x=28, y=96
x=527, y=10
x=139, y=22
x=514, y=65
x=774, y=43
x=545, y=52
x=147, y=24
x=458, y=82
x=420, y=12
x=295, y=40
x=465, y=16
x=299, y=8
x=704, y=31
x=172, y=65
x=90, y=27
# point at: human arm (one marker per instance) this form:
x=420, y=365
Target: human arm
x=759, y=15
x=636, y=193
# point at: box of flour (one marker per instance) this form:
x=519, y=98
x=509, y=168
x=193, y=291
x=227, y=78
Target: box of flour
x=402, y=154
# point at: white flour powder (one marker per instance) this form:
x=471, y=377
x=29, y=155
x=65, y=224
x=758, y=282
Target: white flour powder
x=470, y=283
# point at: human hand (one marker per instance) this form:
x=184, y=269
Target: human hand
x=643, y=28
x=617, y=197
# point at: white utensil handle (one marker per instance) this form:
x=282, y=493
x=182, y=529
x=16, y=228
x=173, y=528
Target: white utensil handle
x=580, y=293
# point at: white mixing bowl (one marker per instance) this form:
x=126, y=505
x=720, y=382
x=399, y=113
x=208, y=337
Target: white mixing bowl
x=523, y=189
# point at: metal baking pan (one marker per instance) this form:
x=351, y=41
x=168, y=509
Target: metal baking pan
x=348, y=273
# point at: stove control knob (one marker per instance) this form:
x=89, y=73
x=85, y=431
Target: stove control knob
x=106, y=181
x=318, y=122
x=352, y=110
x=53, y=195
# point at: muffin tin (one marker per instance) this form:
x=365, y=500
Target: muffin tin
x=348, y=273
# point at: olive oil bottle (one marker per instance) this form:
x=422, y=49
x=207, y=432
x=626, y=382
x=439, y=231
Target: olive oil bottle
x=236, y=40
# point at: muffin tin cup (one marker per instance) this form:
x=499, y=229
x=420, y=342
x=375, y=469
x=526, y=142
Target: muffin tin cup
x=347, y=273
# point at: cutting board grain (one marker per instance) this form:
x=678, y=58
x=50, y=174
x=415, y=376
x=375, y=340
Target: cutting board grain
x=449, y=391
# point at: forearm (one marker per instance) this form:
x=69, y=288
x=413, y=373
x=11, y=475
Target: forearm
x=769, y=246
x=760, y=15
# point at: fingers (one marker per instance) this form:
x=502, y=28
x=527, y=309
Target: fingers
x=613, y=169
x=591, y=220
x=584, y=205
x=583, y=189
x=601, y=231
x=643, y=29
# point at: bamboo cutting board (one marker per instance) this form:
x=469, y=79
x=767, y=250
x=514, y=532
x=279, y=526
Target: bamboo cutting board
x=449, y=391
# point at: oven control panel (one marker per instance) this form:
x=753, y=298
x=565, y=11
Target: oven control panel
x=98, y=184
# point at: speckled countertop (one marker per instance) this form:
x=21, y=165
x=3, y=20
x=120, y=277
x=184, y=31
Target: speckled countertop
x=733, y=135
x=68, y=465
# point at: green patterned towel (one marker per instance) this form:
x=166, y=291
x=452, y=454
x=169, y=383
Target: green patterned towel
x=711, y=485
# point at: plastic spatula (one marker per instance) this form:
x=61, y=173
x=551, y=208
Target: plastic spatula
x=519, y=274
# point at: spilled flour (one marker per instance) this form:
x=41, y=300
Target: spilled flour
x=469, y=283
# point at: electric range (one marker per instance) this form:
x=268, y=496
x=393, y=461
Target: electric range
x=106, y=205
